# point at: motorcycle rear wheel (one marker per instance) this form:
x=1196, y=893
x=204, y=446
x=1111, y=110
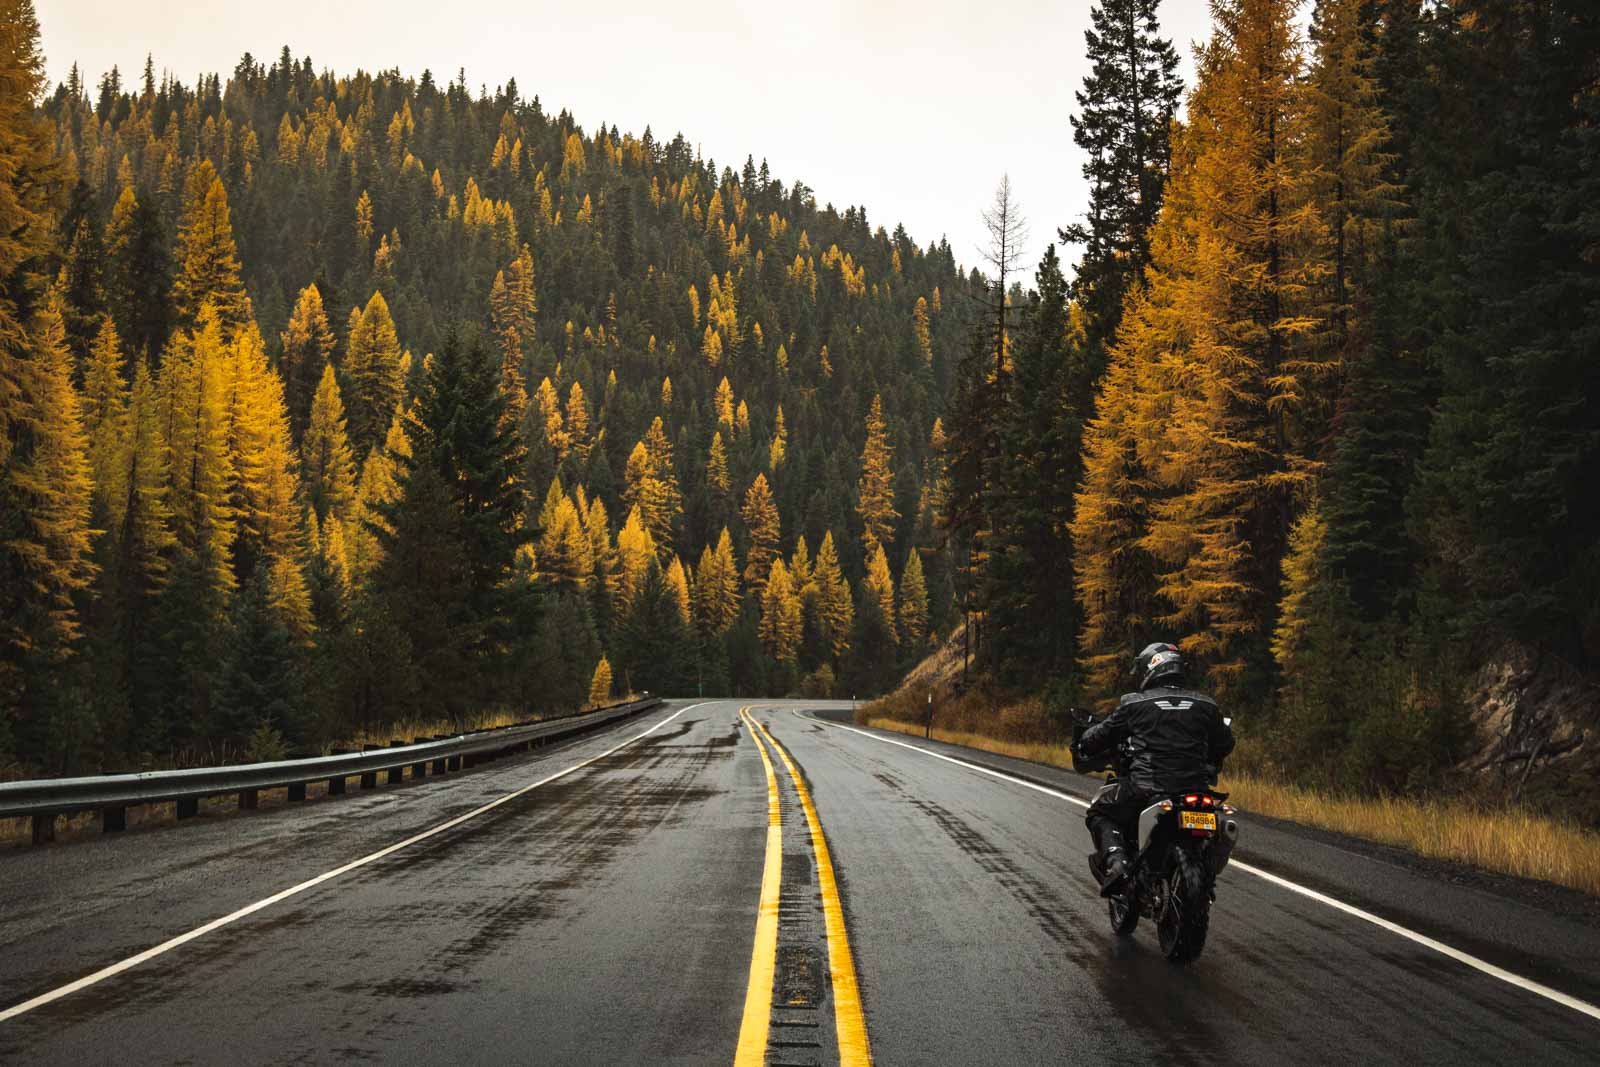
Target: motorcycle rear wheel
x=1186, y=910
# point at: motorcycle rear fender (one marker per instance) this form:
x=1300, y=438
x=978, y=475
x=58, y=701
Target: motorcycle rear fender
x=1147, y=823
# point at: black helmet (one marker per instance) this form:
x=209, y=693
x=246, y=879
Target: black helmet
x=1158, y=661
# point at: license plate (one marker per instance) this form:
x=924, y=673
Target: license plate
x=1197, y=820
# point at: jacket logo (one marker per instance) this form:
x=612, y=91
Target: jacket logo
x=1175, y=705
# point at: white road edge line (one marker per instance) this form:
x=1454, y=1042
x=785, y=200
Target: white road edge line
x=1581, y=1006
x=250, y=909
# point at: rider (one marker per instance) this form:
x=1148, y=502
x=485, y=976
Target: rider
x=1174, y=740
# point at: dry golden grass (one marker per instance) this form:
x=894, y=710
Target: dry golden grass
x=1505, y=839
x=415, y=729
x=1033, y=751
x=409, y=729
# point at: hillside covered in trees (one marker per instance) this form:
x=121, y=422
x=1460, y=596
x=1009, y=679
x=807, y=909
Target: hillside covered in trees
x=1322, y=399
x=334, y=400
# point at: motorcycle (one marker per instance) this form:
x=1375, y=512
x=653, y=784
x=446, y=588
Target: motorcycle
x=1185, y=840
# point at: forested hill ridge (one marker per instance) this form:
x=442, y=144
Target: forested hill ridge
x=351, y=399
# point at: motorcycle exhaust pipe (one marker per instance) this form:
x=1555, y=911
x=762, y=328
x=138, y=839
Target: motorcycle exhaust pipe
x=1222, y=846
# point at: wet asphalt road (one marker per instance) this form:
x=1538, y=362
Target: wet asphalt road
x=609, y=917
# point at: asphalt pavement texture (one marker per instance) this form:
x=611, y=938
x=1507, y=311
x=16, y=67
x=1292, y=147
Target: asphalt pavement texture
x=609, y=916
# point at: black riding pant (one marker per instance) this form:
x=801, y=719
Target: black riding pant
x=1113, y=816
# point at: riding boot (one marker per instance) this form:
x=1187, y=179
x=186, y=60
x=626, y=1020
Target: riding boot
x=1113, y=860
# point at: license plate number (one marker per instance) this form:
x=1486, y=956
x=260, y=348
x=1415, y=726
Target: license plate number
x=1197, y=820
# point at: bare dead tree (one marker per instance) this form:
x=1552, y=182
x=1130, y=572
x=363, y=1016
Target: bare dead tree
x=1008, y=233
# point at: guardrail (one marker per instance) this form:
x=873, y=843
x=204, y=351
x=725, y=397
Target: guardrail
x=45, y=799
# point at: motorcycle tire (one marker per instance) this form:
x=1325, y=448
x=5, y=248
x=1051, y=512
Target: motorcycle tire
x=1186, y=909
x=1124, y=911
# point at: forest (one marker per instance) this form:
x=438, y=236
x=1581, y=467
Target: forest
x=335, y=401
x=1321, y=399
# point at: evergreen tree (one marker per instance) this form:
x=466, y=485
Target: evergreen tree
x=138, y=273
x=653, y=643
x=780, y=615
x=513, y=309
x=716, y=587
x=719, y=485
x=195, y=395
x=1502, y=501
x=635, y=549
x=31, y=191
x=207, y=257
x=879, y=588
x=660, y=498
x=1032, y=615
x=453, y=535
x=566, y=557
x=325, y=453
x=1125, y=114
x=265, y=493
x=600, y=685
x=135, y=573
x=1113, y=572
x=875, y=494
x=375, y=374
x=260, y=681
x=81, y=277
x=913, y=608
x=678, y=584
x=379, y=487
x=1229, y=272
x=105, y=422
x=45, y=494
x=834, y=611
x=307, y=353
x=760, y=516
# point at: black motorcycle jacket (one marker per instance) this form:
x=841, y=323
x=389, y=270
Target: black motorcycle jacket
x=1174, y=739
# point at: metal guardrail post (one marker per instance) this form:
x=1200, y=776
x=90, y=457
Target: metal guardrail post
x=369, y=779
x=249, y=800
x=297, y=791
x=113, y=820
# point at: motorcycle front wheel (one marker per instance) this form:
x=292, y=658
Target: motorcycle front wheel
x=1186, y=909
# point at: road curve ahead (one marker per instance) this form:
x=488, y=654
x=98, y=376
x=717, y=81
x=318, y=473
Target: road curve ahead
x=746, y=882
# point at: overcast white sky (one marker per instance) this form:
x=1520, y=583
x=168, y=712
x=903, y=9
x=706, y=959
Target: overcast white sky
x=913, y=109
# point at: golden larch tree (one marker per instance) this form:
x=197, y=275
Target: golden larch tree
x=328, y=466
x=761, y=523
x=375, y=373
x=880, y=587
x=207, y=257
x=875, y=492
x=600, y=684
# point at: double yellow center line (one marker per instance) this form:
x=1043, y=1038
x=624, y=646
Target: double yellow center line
x=849, y=1021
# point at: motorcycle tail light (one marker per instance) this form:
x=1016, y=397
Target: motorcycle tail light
x=1208, y=801
x=1191, y=800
